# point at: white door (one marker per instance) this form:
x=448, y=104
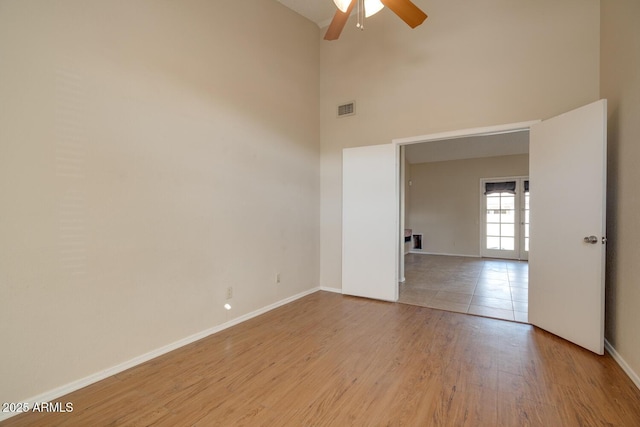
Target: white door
x=369, y=222
x=566, y=262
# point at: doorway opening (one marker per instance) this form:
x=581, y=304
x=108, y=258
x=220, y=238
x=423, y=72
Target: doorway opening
x=567, y=254
x=474, y=245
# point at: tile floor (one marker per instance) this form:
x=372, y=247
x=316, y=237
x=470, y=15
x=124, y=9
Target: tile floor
x=483, y=286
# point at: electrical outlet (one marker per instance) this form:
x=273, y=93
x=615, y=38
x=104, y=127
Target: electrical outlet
x=230, y=292
x=277, y=277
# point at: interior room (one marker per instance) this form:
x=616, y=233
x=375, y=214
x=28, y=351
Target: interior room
x=447, y=264
x=171, y=193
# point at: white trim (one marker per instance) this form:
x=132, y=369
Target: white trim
x=329, y=289
x=623, y=364
x=402, y=163
x=101, y=375
x=487, y=130
x=443, y=254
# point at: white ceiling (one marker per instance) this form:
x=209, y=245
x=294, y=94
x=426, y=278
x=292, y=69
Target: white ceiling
x=469, y=147
x=319, y=11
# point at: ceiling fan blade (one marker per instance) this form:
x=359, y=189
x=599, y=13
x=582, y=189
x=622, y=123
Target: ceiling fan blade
x=338, y=22
x=407, y=11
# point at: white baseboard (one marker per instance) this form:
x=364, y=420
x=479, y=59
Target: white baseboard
x=58, y=392
x=443, y=254
x=623, y=364
x=328, y=289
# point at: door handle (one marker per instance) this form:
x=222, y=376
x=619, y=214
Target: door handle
x=591, y=239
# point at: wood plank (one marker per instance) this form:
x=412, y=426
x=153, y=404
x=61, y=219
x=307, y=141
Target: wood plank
x=329, y=359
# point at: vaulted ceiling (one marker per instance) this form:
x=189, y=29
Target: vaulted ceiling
x=318, y=11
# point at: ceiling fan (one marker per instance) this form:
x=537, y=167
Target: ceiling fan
x=407, y=11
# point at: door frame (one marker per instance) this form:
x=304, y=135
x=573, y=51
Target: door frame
x=440, y=136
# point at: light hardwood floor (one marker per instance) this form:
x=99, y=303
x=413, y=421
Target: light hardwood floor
x=333, y=360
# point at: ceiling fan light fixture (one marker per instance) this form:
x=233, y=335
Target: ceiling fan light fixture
x=342, y=4
x=371, y=7
x=405, y=9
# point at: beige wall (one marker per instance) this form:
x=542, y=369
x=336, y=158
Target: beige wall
x=620, y=84
x=470, y=64
x=445, y=200
x=152, y=153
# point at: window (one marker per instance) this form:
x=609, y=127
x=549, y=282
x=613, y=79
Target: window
x=505, y=218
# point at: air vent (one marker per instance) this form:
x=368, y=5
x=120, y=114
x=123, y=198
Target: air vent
x=348, y=109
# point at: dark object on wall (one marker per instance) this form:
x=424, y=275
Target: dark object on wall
x=417, y=241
